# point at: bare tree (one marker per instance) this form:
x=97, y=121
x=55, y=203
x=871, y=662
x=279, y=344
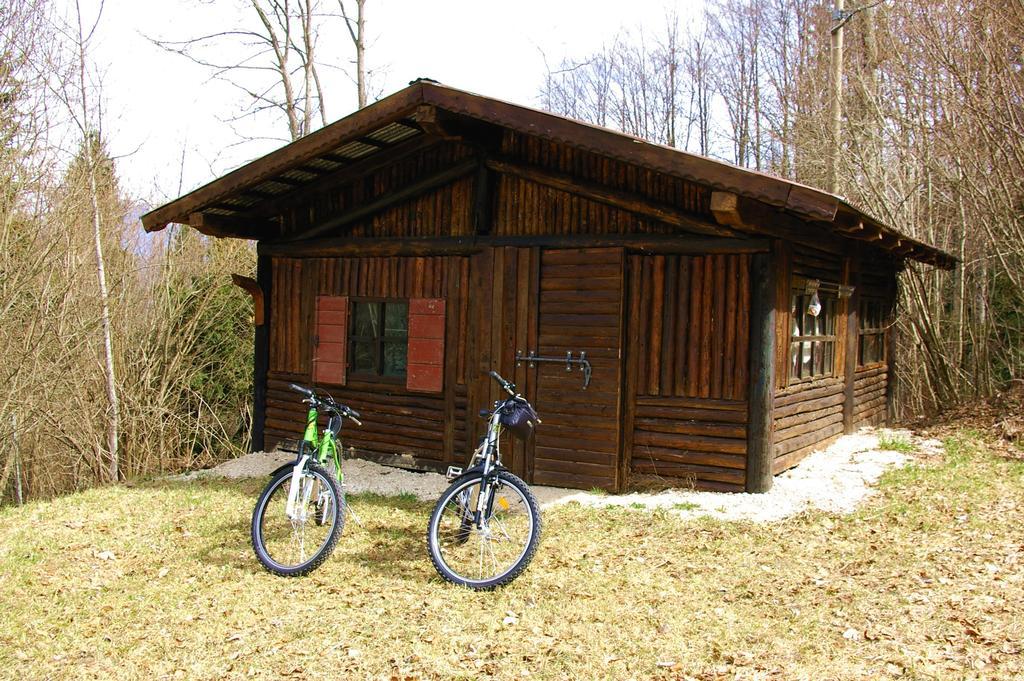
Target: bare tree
x=77, y=98
x=357, y=31
x=699, y=64
x=273, y=57
x=736, y=29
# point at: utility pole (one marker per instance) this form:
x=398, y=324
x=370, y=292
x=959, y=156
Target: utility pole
x=837, y=95
x=841, y=16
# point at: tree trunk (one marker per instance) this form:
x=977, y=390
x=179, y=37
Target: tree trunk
x=114, y=416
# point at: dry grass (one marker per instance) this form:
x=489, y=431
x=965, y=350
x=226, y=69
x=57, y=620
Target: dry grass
x=159, y=581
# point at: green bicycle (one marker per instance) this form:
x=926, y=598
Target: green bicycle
x=300, y=514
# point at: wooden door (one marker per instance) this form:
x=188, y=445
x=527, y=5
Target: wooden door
x=579, y=309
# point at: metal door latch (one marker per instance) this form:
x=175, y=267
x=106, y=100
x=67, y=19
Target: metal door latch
x=532, y=358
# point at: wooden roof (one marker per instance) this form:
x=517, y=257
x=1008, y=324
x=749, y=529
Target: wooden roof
x=225, y=206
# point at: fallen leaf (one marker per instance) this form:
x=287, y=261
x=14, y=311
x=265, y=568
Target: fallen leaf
x=851, y=634
x=104, y=555
x=163, y=573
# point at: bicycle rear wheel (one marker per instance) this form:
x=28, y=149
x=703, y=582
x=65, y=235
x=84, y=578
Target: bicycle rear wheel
x=296, y=546
x=490, y=551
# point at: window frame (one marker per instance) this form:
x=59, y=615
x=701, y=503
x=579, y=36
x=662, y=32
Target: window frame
x=827, y=343
x=378, y=340
x=880, y=331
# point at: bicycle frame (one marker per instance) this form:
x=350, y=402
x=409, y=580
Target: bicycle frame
x=487, y=456
x=324, y=446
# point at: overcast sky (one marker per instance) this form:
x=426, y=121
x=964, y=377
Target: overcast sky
x=158, y=104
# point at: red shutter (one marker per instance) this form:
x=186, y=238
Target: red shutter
x=425, y=370
x=330, y=358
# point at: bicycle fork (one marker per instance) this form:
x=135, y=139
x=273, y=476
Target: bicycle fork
x=293, y=509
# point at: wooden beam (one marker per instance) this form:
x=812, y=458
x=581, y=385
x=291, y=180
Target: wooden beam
x=760, y=433
x=628, y=201
x=725, y=208
x=410, y=191
x=250, y=286
x=812, y=203
x=464, y=245
x=755, y=217
x=360, y=123
x=869, y=234
x=354, y=170
x=280, y=179
x=216, y=225
x=434, y=122
x=261, y=356
x=850, y=228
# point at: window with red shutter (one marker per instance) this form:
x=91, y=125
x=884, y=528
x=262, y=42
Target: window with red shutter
x=425, y=372
x=330, y=358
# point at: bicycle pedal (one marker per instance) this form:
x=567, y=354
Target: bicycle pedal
x=453, y=472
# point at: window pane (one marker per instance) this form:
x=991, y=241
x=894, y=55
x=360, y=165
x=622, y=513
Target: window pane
x=364, y=357
x=365, y=319
x=396, y=320
x=819, y=358
x=794, y=360
x=394, y=358
x=805, y=359
x=872, y=348
x=830, y=363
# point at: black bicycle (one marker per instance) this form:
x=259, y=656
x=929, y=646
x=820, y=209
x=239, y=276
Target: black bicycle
x=486, y=526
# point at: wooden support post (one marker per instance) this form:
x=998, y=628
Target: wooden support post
x=760, y=438
x=261, y=355
x=852, y=344
x=890, y=350
x=482, y=198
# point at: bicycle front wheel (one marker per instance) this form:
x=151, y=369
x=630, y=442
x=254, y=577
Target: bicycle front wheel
x=297, y=545
x=484, y=542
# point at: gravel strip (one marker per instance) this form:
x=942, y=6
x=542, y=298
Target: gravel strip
x=835, y=480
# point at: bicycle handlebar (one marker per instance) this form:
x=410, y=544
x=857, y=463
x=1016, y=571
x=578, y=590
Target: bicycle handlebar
x=509, y=387
x=328, y=402
x=299, y=389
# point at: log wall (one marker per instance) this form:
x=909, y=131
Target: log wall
x=870, y=386
x=687, y=364
x=430, y=427
x=807, y=414
x=877, y=279
x=441, y=212
x=524, y=207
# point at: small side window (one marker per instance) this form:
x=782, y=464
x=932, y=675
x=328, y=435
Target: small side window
x=872, y=322
x=812, y=342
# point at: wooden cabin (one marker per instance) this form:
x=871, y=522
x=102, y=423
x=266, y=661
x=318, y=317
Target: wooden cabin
x=407, y=249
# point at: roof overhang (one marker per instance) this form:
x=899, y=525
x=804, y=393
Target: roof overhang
x=364, y=139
